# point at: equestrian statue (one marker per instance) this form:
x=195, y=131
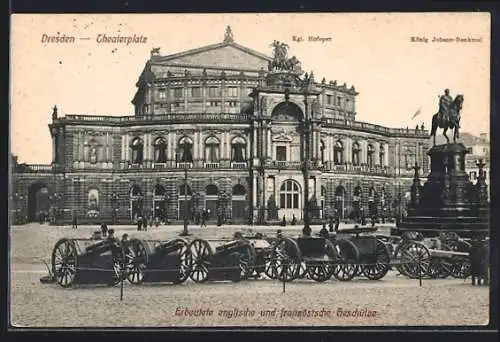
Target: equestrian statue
x=280, y=59
x=448, y=116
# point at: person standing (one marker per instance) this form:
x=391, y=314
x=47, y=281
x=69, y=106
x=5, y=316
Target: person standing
x=204, y=215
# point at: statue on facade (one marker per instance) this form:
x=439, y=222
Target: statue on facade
x=280, y=57
x=448, y=116
x=93, y=154
x=228, y=35
x=155, y=51
x=54, y=113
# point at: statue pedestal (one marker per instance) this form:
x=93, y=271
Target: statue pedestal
x=448, y=201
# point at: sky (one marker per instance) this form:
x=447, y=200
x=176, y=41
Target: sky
x=394, y=76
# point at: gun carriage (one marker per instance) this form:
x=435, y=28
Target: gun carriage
x=155, y=261
x=86, y=261
x=231, y=260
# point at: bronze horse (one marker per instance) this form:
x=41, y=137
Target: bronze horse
x=450, y=121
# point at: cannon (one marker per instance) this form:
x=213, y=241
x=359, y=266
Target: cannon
x=230, y=261
x=360, y=254
x=417, y=257
x=154, y=261
x=86, y=261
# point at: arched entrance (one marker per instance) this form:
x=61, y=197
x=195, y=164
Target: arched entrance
x=159, y=203
x=38, y=202
x=136, y=202
x=239, y=202
x=287, y=111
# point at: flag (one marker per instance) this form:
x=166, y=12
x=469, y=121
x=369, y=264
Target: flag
x=416, y=114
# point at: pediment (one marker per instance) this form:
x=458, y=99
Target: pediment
x=282, y=137
x=224, y=55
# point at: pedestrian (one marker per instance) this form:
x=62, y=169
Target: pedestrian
x=104, y=229
x=75, y=222
x=294, y=220
x=204, y=217
x=323, y=232
x=197, y=218
x=283, y=221
x=139, y=223
x=330, y=224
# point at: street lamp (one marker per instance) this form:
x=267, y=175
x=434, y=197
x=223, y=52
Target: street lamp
x=186, y=214
x=114, y=202
x=306, y=130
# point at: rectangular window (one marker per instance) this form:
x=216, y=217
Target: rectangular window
x=232, y=92
x=214, y=92
x=196, y=92
x=280, y=153
x=469, y=149
x=233, y=104
x=213, y=104
x=339, y=101
x=347, y=104
x=175, y=105
x=329, y=99
x=177, y=93
x=161, y=94
x=282, y=201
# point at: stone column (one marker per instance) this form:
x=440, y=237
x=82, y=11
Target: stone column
x=386, y=154
x=376, y=157
x=196, y=146
x=269, y=142
x=348, y=150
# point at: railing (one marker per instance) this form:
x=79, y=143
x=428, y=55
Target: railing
x=364, y=126
x=173, y=117
x=212, y=165
x=32, y=168
x=238, y=165
x=159, y=165
x=185, y=165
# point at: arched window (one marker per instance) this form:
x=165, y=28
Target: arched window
x=160, y=149
x=212, y=150
x=158, y=191
x=238, y=150
x=370, y=156
x=338, y=153
x=408, y=158
x=93, y=199
x=381, y=155
x=356, y=151
x=371, y=194
x=211, y=190
x=339, y=201
x=289, y=195
x=357, y=194
x=185, y=151
x=322, y=151
x=137, y=148
x=239, y=190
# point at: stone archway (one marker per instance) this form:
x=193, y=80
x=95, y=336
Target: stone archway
x=287, y=111
x=38, y=201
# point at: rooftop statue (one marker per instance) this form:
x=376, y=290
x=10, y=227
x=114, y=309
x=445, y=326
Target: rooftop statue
x=228, y=35
x=448, y=116
x=280, y=58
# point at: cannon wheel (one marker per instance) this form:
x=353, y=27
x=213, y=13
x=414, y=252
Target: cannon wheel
x=137, y=255
x=322, y=271
x=64, y=262
x=382, y=265
x=201, y=254
x=270, y=268
x=415, y=259
x=303, y=270
x=439, y=268
x=461, y=268
x=186, y=259
x=346, y=266
x=287, y=259
x=247, y=260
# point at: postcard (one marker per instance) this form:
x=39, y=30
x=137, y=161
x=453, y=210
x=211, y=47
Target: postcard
x=249, y=170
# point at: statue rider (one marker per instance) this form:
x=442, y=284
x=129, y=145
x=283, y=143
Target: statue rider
x=445, y=102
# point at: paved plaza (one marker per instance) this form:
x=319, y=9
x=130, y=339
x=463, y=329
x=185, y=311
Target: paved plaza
x=394, y=300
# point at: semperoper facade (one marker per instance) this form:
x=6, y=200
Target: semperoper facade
x=227, y=129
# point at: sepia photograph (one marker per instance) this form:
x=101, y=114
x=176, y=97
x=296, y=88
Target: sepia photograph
x=249, y=170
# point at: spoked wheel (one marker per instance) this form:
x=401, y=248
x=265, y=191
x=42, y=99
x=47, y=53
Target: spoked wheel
x=64, y=262
x=137, y=257
x=201, y=254
x=439, y=268
x=270, y=268
x=185, y=259
x=119, y=263
x=382, y=258
x=461, y=268
x=415, y=259
x=303, y=270
x=323, y=270
x=287, y=259
x=247, y=258
x=346, y=266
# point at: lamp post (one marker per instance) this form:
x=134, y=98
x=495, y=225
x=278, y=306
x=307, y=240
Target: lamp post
x=186, y=213
x=306, y=129
x=114, y=202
